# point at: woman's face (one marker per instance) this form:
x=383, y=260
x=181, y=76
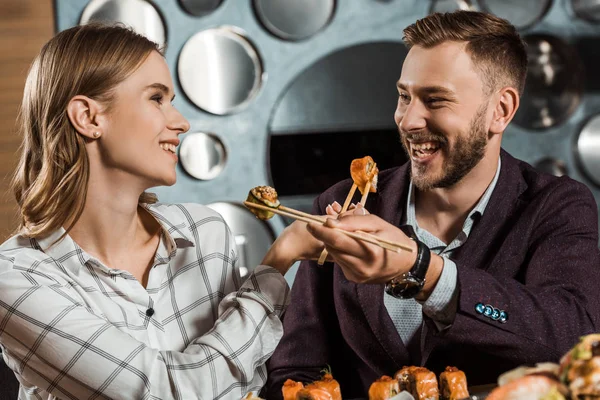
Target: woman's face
x=143, y=126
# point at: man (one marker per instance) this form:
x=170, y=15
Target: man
x=504, y=269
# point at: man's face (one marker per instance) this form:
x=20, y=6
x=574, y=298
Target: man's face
x=442, y=114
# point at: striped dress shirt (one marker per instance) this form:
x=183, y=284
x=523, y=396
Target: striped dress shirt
x=73, y=328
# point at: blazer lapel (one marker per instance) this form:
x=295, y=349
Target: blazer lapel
x=389, y=205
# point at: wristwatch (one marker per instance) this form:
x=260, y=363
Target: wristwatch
x=409, y=284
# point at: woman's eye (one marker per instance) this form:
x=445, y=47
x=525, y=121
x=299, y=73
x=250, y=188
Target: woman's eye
x=157, y=98
x=404, y=97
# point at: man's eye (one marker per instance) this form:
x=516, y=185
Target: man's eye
x=433, y=100
x=404, y=97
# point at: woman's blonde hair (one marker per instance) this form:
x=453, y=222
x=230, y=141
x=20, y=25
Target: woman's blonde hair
x=50, y=183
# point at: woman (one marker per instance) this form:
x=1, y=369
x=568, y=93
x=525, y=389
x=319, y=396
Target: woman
x=105, y=293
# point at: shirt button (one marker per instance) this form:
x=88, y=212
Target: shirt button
x=479, y=307
x=150, y=312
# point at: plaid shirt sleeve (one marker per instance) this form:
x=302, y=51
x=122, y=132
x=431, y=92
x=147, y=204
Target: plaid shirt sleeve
x=59, y=345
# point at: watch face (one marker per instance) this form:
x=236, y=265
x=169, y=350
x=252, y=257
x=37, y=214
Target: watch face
x=407, y=287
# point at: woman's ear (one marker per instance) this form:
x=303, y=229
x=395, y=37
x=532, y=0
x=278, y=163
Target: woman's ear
x=84, y=115
x=505, y=109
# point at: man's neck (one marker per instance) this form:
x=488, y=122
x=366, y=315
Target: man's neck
x=442, y=211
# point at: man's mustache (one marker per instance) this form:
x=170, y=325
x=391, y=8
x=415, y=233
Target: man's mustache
x=423, y=136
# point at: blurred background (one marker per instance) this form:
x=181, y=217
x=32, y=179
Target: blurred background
x=287, y=92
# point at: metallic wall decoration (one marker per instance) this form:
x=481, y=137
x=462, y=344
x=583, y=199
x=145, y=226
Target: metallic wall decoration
x=552, y=166
x=141, y=15
x=202, y=155
x=200, y=8
x=443, y=6
x=554, y=85
x=294, y=19
x=253, y=237
x=220, y=70
x=522, y=14
x=588, y=149
x=587, y=9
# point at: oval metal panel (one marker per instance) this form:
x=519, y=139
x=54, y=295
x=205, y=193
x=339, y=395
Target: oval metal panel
x=554, y=86
x=521, y=14
x=588, y=149
x=200, y=7
x=443, y=6
x=294, y=19
x=552, y=166
x=253, y=237
x=141, y=15
x=202, y=155
x=587, y=9
x=220, y=70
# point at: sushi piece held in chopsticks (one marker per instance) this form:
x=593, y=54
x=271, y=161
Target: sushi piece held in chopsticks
x=364, y=170
x=263, y=195
x=384, y=388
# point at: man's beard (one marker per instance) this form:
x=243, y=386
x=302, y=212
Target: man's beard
x=466, y=153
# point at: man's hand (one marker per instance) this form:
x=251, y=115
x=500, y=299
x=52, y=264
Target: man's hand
x=363, y=262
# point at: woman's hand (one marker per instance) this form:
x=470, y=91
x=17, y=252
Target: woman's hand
x=296, y=243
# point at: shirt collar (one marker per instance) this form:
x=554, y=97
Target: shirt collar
x=173, y=227
x=411, y=217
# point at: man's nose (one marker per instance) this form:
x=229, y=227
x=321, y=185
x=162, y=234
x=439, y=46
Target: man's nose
x=412, y=117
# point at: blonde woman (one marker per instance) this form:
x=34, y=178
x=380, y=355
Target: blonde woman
x=105, y=293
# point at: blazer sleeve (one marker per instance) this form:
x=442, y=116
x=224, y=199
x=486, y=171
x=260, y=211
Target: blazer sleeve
x=309, y=324
x=552, y=297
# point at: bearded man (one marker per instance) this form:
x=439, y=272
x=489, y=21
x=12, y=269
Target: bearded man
x=505, y=263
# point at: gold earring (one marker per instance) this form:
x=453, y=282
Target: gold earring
x=96, y=135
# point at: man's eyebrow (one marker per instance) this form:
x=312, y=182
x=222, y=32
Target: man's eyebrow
x=428, y=89
x=163, y=88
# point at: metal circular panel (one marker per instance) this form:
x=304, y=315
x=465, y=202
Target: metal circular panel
x=138, y=14
x=554, y=84
x=253, y=237
x=219, y=70
x=588, y=149
x=294, y=19
x=587, y=9
x=552, y=166
x=443, y=6
x=200, y=7
x=203, y=155
x=520, y=13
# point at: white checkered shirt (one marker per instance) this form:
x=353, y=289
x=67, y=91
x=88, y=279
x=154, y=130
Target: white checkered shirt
x=73, y=328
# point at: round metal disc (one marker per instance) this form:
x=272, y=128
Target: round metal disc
x=219, y=70
x=552, y=166
x=294, y=19
x=520, y=13
x=587, y=9
x=200, y=7
x=443, y=6
x=138, y=14
x=202, y=155
x=588, y=149
x=253, y=237
x=554, y=86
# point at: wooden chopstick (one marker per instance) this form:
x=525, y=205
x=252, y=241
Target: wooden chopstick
x=349, y=197
x=359, y=235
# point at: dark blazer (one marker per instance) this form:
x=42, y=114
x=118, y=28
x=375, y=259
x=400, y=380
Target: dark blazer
x=534, y=254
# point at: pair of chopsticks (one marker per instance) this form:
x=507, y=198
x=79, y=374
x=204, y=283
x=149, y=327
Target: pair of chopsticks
x=363, y=200
x=359, y=235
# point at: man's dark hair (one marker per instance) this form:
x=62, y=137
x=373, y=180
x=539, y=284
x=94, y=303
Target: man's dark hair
x=497, y=50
